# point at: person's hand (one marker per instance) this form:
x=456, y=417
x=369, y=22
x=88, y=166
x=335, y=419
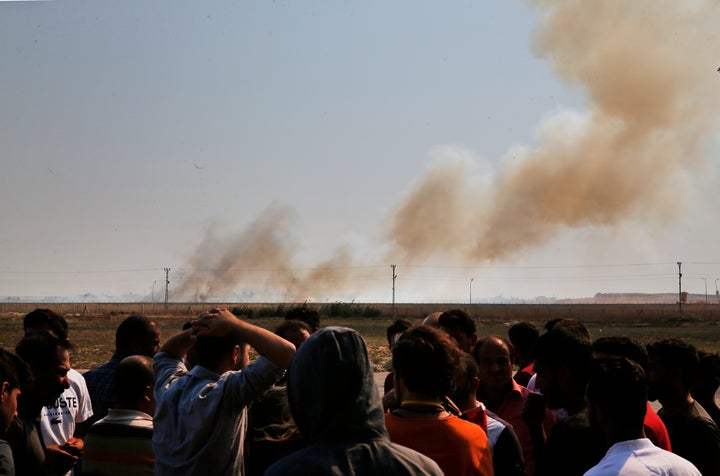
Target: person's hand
x=58, y=459
x=214, y=323
x=74, y=446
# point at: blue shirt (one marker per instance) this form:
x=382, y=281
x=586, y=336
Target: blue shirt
x=201, y=417
x=100, y=383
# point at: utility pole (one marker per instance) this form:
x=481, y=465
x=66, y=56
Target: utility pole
x=393, y=289
x=167, y=285
x=471, y=280
x=679, y=287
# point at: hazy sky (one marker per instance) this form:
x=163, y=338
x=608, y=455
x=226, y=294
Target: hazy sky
x=295, y=150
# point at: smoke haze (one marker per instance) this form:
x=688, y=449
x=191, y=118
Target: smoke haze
x=648, y=70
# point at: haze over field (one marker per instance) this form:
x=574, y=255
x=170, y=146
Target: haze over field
x=292, y=152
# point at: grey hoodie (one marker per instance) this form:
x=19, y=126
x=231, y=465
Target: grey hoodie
x=336, y=406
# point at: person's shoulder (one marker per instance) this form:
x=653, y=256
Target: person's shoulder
x=99, y=370
x=467, y=428
x=7, y=465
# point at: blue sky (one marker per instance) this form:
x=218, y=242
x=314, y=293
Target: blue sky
x=144, y=135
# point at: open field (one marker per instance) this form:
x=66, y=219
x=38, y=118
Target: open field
x=93, y=333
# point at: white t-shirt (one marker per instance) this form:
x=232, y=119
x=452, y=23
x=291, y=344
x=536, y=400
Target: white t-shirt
x=57, y=422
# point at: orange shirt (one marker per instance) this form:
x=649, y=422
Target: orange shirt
x=458, y=446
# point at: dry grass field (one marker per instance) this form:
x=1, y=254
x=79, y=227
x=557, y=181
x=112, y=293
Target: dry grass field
x=92, y=331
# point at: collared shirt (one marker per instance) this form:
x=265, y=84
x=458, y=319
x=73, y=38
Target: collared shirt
x=201, y=417
x=511, y=410
x=120, y=444
x=100, y=383
x=632, y=457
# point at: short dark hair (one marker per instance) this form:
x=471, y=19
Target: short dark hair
x=709, y=366
x=426, y=359
x=309, y=316
x=290, y=325
x=457, y=319
x=558, y=347
x=14, y=370
x=466, y=371
x=40, y=351
x=551, y=323
x=523, y=336
x=132, y=331
x=400, y=325
x=46, y=317
x=620, y=346
x=211, y=350
x=133, y=374
x=574, y=327
x=619, y=388
x=679, y=354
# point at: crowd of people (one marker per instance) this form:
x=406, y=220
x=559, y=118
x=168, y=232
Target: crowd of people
x=528, y=403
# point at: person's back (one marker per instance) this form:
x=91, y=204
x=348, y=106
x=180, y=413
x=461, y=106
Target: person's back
x=269, y=415
x=136, y=335
x=121, y=443
x=706, y=385
x=693, y=434
x=336, y=406
x=563, y=361
x=201, y=415
x=626, y=347
x=619, y=416
x=426, y=361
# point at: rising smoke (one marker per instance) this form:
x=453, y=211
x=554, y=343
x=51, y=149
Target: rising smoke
x=261, y=258
x=648, y=69
x=649, y=72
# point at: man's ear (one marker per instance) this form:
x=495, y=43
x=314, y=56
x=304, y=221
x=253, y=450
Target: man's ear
x=474, y=384
x=148, y=393
x=5, y=390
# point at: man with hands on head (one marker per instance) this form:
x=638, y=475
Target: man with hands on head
x=201, y=415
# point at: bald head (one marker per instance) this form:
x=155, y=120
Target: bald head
x=134, y=383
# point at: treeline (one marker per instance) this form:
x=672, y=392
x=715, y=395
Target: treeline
x=335, y=309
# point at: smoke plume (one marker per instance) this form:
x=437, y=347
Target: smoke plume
x=262, y=258
x=649, y=72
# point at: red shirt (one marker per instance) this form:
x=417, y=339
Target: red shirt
x=510, y=410
x=655, y=429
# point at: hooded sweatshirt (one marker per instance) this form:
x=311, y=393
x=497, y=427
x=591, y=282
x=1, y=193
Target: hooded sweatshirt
x=337, y=408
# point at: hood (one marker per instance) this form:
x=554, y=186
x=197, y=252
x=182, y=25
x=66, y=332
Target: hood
x=331, y=388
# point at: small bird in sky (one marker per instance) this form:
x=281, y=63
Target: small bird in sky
x=199, y=167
